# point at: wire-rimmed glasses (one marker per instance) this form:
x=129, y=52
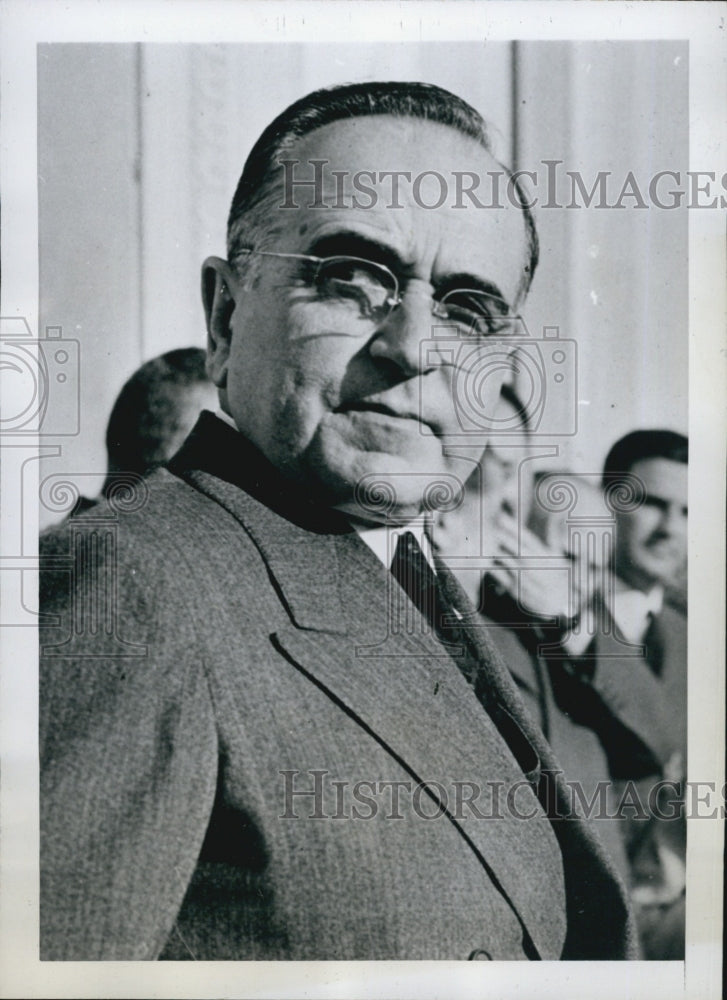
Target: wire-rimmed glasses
x=365, y=293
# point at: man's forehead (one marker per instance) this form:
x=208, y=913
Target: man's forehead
x=662, y=476
x=419, y=186
x=364, y=141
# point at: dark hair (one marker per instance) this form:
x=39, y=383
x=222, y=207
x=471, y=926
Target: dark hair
x=331, y=104
x=639, y=445
x=146, y=416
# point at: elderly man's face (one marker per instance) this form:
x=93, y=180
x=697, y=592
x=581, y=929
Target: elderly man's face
x=651, y=541
x=326, y=404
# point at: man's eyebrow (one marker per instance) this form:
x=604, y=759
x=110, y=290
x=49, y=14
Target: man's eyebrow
x=351, y=244
x=466, y=280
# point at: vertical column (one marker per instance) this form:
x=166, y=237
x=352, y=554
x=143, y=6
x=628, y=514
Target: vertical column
x=90, y=570
x=593, y=118
x=89, y=242
x=169, y=282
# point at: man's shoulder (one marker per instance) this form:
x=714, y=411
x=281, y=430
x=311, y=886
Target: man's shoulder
x=145, y=506
x=673, y=616
x=159, y=527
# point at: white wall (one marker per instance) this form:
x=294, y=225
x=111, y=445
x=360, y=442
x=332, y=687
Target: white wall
x=140, y=148
x=89, y=226
x=615, y=280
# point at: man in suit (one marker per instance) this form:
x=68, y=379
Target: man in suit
x=267, y=730
x=608, y=688
x=625, y=675
x=636, y=637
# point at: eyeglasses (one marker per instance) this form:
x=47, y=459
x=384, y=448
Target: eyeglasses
x=364, y=294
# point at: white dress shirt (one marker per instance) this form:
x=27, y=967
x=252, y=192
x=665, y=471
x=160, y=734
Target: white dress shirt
x=630, y=609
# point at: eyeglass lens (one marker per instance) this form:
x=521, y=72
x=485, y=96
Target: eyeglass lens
x=364, y=290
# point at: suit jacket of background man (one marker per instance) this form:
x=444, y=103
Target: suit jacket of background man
x=255, y=632
x=576, y=746
x=610, y=712
x=635, y=698
x=645, y=687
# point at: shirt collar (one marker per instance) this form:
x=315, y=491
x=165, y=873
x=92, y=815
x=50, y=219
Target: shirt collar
x=382, y=540
x=631, y=608
x=221, y=415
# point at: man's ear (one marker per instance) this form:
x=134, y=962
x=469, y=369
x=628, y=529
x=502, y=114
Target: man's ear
x=219, y=306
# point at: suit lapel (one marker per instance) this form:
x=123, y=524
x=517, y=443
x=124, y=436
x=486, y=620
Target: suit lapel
x=593, y=886
x=400, y=685
x=414, y=702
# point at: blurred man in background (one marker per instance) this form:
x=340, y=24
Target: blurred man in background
x=154, y=412
x=632, y=664
x=528, y=591
x=600, y=662
x=156, y=409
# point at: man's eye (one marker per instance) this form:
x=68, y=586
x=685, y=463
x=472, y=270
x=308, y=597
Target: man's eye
x=474, y=302
x=343, y=271
x=482, y=313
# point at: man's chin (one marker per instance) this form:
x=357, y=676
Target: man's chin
x=380, y=486
x=662, y=565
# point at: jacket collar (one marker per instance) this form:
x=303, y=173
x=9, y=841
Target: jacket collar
x=295, y=535
x=400, y=686
x=216, y=448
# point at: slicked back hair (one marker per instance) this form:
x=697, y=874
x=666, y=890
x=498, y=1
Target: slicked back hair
x=323, y=107
x=640, y=445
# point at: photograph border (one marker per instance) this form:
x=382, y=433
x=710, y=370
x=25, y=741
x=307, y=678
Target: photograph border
x=24, y=26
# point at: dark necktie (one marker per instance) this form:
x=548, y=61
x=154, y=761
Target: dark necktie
x=419, y=582
x=654, y=645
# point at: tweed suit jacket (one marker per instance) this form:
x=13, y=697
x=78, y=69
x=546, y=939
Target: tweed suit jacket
x=226, y=709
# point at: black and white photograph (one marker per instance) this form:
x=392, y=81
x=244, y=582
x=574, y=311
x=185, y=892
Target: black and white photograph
x=363, y=476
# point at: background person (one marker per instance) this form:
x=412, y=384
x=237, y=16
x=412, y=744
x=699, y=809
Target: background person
x=635, y=663
x=526, y=591
x=154, y=412
x=607, y=684
x=156, y=409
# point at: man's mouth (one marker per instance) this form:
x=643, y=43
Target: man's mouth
x=369, y=406
x=662, y=547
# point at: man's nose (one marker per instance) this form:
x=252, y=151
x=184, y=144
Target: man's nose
x=400, y=338
x=673, y=519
